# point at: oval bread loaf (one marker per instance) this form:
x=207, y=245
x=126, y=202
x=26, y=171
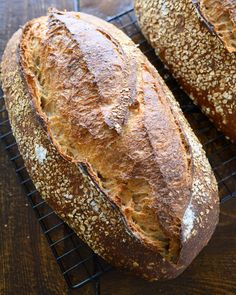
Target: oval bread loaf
x=106, y=144
x=196, y=39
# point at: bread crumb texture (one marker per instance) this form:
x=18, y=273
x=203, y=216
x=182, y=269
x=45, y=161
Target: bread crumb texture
x=112, y=153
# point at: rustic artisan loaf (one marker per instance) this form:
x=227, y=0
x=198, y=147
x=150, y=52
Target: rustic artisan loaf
x=196, y=39
x=107, y=145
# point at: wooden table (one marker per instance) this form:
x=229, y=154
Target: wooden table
x=27, y=265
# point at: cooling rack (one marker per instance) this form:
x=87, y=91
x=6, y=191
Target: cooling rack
x=77, y=262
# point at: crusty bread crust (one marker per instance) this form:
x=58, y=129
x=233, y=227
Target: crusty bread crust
x=150, y=138
x=198, y=59
x=221, y=15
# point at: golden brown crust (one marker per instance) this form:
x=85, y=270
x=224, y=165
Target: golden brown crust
x=197, y=58
x=221, y=15
x=154, y=149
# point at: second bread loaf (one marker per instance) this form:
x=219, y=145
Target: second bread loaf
x=197, y=41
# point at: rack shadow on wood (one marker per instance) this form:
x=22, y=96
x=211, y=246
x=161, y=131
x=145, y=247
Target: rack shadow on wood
x=78, y=264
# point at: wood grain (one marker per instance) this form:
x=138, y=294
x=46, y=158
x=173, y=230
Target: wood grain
x=27, y=265
x=105, y=8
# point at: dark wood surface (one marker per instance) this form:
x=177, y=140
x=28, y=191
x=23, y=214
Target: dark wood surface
x=27, y=265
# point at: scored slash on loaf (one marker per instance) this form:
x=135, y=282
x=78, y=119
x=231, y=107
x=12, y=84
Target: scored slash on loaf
x=107, y=145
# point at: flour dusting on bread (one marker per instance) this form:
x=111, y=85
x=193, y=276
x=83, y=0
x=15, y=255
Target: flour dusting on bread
x=41, y=153
x=188, y=222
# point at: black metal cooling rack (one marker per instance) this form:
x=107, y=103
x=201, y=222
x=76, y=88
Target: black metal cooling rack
x=78, y=264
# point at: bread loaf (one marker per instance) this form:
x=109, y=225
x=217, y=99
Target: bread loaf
x=107, y=145
x=196, y=39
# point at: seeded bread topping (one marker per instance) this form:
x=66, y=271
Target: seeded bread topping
x=198, y=59
x=107, y=145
